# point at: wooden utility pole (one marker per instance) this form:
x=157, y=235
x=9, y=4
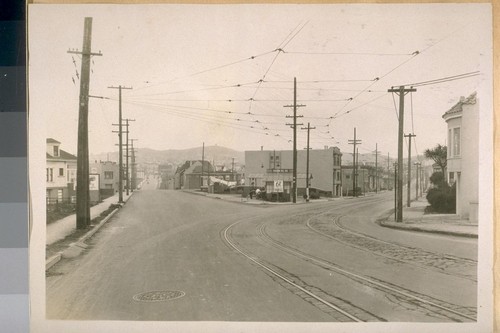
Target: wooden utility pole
x=232, y=170
x=354, y=142
x=202, y=166
x=294, y=126
x=376, y=167
x=396, y=196
x=120, y=149
x=127, y=175
x=416, y=181
x=82, y=164
x=401, y=92
x=409, y=136
x=133, y=181
x=308, y=128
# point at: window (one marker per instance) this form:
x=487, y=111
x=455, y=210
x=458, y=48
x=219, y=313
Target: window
x=449, y=142
x=347, y=176
x=47, y=174
x=338, y=176
x=108, y=174
x=451, y=178
x=56, y=150
x=456, y=141
x=61, y=172
x=50, y=175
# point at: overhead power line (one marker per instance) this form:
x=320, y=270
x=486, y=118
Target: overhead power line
x=348, y=53
x=444, y=79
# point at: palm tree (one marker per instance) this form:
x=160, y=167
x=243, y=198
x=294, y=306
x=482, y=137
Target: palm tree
x=438, y=155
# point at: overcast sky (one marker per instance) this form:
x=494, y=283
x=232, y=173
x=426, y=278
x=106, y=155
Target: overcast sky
x=221, y=74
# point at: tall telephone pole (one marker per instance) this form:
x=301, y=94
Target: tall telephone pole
x=308, y=128
x=127, y=175
x=417, y=164
x=120, y=153
x=354, y=166
x=401, y=92
x=396, y=196
x=202, y=166
x=133, y=181
x=409, y=136
x=376, y=167
x=82, y=166
x=294, y=126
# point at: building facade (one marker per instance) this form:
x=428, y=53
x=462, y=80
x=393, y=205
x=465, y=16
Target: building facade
x=108, y=177
x=60, y=174
x=463, y=155
x=273, y=170
x=190, y=176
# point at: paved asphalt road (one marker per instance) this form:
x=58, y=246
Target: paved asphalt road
x=172, y=241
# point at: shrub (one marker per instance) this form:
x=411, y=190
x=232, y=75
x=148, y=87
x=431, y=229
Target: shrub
x=442, y=199
x=437, y=179
x=314, y=195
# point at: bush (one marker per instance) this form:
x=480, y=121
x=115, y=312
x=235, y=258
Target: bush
x=437, y=179
x=442, y=199
x=314, y=195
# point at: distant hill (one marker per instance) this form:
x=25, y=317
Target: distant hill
x=221, y=155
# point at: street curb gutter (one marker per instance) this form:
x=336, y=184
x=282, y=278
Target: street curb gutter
x=382, y=221
x=80, y=243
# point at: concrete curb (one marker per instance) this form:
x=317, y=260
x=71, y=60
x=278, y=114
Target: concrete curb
x=77, y=247
x=382, y=221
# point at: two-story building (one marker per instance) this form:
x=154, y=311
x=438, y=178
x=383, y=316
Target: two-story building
x=273, y=170
x=61, y=174
x=108, y=177
x=463, y=155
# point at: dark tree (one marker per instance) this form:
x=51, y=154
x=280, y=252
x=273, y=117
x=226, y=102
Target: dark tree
x=438, y=155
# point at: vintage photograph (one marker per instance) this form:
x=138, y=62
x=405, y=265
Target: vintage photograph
x=300, y=167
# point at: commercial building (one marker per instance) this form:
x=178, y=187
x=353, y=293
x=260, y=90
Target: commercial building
x=273, y=170
x=190, y=176
x=463, y=155
x=108, y=177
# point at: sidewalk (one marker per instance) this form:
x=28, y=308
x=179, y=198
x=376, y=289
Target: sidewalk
x=414, y=219
x=66, y=226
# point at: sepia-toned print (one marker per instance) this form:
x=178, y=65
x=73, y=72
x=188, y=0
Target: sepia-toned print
x=271, y=167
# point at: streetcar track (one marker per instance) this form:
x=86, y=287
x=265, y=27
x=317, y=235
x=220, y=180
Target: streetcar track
x=420, y=300
x=401, y=251
x=287, y=280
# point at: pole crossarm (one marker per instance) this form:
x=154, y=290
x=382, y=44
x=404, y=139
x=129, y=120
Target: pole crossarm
x=75, y=51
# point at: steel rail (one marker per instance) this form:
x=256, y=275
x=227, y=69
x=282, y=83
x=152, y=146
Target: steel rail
x=270, y=270
x=346, y=230
x=357, y=276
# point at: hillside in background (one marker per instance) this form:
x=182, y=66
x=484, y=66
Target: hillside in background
x=220, y=155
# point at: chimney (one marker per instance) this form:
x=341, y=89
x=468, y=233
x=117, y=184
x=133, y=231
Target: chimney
x=261, y=148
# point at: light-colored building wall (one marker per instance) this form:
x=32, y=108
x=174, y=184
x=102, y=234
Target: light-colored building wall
x=60, y=171
x=463, y=155
x=268, y=165
x=108, y=174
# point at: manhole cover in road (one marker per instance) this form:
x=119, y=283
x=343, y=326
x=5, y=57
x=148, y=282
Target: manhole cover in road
x=159, y=295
